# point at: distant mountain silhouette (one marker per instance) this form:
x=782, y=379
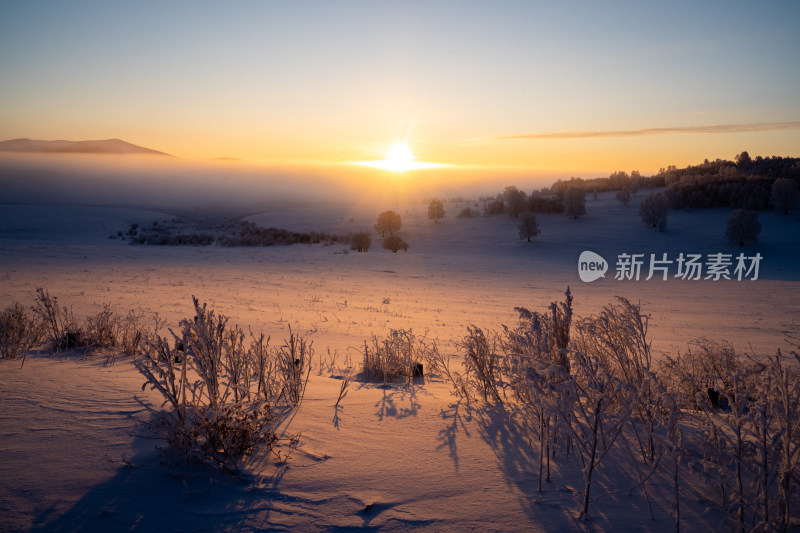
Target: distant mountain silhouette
x=108, y=146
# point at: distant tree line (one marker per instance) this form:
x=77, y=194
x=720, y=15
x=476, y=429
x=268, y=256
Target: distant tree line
x=231, y=233
x=614, y=182
x=513, y=201
x=745, y=183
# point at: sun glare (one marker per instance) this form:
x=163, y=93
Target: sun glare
x=399, y=158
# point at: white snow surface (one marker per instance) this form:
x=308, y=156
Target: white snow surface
x=76, y=456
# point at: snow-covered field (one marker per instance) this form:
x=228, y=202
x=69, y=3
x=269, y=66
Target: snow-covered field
x=76, y=457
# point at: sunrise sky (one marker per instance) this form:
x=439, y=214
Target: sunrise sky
x=580, y=88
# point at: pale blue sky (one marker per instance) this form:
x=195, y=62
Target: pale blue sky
x=329, y=81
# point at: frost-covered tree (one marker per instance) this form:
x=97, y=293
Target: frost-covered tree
x=743, y=227
x=528, y=226
x=784, y=195
x=394, y=243
x=575, y=202
x=388, y=222
x=436, y=210
x=360, y=241
x=654, y=209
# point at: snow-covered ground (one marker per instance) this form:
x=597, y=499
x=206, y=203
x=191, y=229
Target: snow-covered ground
x=75, y=456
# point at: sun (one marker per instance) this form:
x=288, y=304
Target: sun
x=399, y=158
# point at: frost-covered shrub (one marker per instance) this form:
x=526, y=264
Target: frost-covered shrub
x=705, y=365
x=102, y=330
x=597, y=414
x=222, y=399
x=19, y=331
x=131, y=333
x=748, y=446
x=389, y=359
x=294, y=365
x=400, y=356
x=113, y=334
x=481, y=363
x=617, y=339
x=61, y=330
x=566, y=383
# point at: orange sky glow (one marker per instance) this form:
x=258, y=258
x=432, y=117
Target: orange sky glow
x=572, y=89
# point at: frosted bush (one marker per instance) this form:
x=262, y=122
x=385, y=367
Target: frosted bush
x=19, y=332
x=222, y=399
x=59, y=325
x=481, y=363
x=705, y=365
x=400, y=356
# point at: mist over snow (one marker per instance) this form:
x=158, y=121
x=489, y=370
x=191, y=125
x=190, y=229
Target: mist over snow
x=171, y=183
x=145, y=181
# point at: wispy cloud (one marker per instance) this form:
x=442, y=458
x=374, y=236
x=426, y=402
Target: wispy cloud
x=715, y=129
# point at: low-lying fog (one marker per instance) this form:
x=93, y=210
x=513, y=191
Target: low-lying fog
x=177, y=184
